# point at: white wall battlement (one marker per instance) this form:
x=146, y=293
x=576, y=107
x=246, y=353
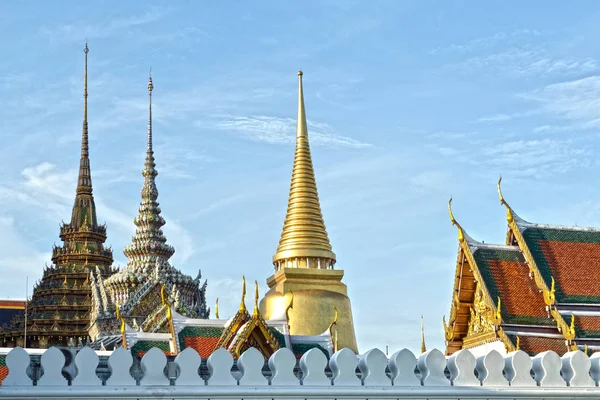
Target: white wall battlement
x=368, y=376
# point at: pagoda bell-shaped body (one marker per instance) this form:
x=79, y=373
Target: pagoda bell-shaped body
x=304, y=262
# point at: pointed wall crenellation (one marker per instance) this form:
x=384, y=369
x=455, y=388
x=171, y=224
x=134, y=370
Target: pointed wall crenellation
x=377, y=376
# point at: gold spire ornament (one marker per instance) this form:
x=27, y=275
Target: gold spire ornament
x=304, y=237
x=304, y=259
x=423, y=348
x=217, y=309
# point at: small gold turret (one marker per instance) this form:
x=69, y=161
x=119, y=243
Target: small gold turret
x=304, y=259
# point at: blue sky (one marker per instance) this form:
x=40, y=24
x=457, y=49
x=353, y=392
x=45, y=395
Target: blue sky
x=408, y=103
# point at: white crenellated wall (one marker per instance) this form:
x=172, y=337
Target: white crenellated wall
x=372, y=375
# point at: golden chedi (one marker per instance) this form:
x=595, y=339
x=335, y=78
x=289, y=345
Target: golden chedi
x=304, y=262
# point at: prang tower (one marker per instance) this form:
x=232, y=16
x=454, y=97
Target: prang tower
x=59, y=311
x=304, y=262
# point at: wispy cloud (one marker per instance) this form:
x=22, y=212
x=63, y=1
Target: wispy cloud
x=486, y=42
x=18, y=260
x=277, y=130
x=519, y=63
x=537, y=157
x=577, y=101
x=111, y=26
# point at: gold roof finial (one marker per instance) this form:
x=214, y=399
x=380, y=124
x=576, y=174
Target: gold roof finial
x=304, y=234
x=518, y=346
x=163, y=300
x=243, y=302
x=217, y=309
x=423, y=348
x=509, y=214
x=335, y=319
x=255, y=313
x=461, y=234
x=500, y=191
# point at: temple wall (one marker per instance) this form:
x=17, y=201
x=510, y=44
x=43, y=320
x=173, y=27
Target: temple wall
x=399, y=376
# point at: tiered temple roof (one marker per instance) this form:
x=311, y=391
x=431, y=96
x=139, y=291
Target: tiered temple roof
x=138, y=289
x=536, y=292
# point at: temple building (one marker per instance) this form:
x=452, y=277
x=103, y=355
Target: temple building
x=145, y=289
x=58, y=313
x=305, y=308
x=536, y=292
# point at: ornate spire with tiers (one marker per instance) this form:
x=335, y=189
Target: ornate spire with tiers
x=304, y=259
x=59, y=311
x=137, y=285
x=304, y=242
x=149, y=252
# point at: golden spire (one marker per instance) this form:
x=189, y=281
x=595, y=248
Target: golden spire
x=423, y=348
x=217, y=309
x=304, y=234
x=255, y=313
x=243, y=302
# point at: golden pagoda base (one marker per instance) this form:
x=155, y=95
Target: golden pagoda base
x=315, y=294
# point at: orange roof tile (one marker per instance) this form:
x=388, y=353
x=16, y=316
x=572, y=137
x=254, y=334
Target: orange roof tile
x=506, y=275
x=3, y=373
x=536, y=344
x=574, y=265
x=203, y=345
x=517, y=291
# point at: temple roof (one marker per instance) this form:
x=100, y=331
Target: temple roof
x=571, y=256
x=544, y=280
x=538, y=344
x=506, y=276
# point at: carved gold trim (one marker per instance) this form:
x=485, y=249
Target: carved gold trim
x=468, y=255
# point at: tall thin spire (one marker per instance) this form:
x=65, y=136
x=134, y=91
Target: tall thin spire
x=149, y=250
x=423, y=348
x=304, y=240
x=84, y=183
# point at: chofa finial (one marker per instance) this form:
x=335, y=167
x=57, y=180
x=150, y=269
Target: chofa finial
x=243, y=301
x=255, y=313
x=450, y=211
x=461, y=235
x=500, y=191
